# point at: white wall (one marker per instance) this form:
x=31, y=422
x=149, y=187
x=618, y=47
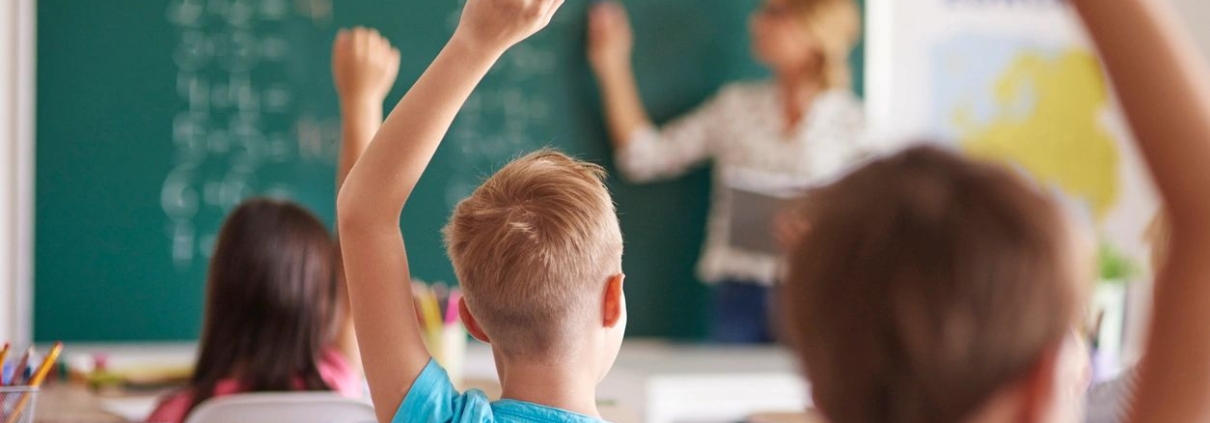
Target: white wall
x=8, y=178
x=16, y=135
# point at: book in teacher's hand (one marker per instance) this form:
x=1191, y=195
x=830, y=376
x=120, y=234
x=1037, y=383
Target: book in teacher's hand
x=752, y=216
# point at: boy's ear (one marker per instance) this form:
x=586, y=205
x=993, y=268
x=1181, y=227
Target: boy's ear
x=614, y=304
x=468, y=320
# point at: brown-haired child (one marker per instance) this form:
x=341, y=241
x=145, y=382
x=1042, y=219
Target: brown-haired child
x=936, y=289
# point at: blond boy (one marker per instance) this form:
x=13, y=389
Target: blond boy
x=537, y=250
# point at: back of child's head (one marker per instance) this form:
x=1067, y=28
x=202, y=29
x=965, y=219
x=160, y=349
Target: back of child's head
x=533, y=248
x=927, y=283
x=269, y=299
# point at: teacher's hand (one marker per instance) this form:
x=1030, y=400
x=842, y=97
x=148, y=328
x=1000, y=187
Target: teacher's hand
x=610, y=38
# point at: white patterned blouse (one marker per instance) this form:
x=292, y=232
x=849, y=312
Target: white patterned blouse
x=742, y=131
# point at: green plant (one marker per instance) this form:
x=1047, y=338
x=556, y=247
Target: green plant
x=1114, y=265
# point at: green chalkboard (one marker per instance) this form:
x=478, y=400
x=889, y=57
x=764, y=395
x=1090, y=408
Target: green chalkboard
x=156, y=117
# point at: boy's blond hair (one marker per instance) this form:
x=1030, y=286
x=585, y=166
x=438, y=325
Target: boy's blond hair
x=533, y=248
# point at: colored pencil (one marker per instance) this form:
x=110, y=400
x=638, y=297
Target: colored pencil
x=47, y=363
x=3, y=356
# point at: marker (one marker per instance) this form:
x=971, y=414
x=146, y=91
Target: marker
x=3, y=364
x=432, y=311
x=64, y=372
x=19, y=372
x=451, y=311
x=440, y=293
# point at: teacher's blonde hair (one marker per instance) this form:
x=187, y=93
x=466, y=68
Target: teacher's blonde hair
x=836, y=27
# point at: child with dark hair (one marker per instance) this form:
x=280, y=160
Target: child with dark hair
x=277, y=315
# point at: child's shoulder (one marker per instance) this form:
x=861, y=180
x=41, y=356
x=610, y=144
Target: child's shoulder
x=339, y=374
x=172, y=408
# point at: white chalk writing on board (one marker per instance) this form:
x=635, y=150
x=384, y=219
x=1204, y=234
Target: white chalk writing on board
x=499, y=120
x=234, y=119
x=234, y=122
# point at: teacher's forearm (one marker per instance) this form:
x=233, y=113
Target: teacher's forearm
x=624, y=111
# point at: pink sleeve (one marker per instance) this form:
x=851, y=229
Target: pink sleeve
x=334, y=368
x=172, y=409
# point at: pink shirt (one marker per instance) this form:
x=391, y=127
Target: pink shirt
x=334, y=368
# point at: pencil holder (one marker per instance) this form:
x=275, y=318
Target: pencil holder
x=17, y=404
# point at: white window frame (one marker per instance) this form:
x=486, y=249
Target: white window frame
x=17, y=56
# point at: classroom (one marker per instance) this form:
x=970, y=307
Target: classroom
x=613, y=210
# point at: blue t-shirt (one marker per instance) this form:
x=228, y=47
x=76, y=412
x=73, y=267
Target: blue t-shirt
x=433, y=399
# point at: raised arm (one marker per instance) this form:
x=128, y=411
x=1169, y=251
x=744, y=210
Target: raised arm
x=610, y=46
x=1165, y=91
x=379, y=185
x=364, y=67
x=642, y=153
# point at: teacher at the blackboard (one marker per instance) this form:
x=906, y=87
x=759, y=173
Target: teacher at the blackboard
x=765, y=139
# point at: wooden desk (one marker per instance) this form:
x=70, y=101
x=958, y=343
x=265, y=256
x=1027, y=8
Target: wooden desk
x=74, y=403
x=69, y=403
x=805, y=417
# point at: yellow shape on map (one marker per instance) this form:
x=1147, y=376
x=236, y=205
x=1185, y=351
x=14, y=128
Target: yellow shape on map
x=1047, y=122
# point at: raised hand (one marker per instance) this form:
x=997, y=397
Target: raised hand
x=379, y=185
x=610, y=37
x=364, y=65
x=496, y=25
